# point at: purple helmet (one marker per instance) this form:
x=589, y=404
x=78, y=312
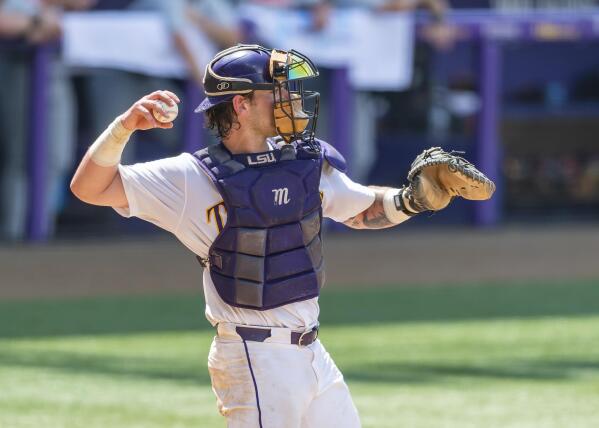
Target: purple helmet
x=242, y=69
x=235, y=71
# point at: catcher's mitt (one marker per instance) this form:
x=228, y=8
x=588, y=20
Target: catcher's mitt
x=436, y=177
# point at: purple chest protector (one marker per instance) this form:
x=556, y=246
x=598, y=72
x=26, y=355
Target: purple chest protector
x=269, y=252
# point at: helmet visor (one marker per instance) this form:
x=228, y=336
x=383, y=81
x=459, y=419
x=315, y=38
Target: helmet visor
x=291, y=65
x=300, y=67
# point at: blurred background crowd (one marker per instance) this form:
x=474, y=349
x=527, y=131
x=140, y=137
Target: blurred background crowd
x=524, y=103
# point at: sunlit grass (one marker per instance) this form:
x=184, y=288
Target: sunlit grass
x=465, y=356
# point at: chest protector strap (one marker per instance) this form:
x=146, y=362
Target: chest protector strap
x=269, y=253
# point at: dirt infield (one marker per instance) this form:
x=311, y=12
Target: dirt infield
x=160, y=264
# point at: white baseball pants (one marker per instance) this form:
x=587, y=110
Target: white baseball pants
x=282, y=386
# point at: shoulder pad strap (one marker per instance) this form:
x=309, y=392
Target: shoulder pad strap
x=217, y=162
x=332, y=156
x=219, y=153
x=205, y=162
x=202, y=153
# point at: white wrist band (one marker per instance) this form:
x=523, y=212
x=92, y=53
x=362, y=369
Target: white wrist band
x=108, y=147
x=392, y=206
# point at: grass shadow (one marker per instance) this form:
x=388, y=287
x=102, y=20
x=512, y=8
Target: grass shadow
x=185, y=312
x=408, y=373
x=195, y=373
x=181, y=372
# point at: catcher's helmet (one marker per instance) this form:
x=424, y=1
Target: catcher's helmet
x=244, y=68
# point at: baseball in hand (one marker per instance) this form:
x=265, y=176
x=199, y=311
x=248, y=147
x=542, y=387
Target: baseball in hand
x=171, y=112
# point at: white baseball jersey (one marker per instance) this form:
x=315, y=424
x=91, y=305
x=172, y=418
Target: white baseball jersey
x=176, y=195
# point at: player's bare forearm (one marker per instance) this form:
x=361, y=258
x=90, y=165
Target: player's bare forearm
x=97, y=180
x=98, y=185
x=374, y=216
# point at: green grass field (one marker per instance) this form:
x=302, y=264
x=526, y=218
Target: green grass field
x=520, y=355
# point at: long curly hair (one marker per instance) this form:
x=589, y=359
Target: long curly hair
x=221, y=118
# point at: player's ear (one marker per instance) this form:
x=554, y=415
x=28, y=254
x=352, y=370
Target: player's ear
x=240, y=104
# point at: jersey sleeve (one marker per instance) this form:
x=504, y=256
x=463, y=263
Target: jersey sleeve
x=156, y=191
x=343, y=198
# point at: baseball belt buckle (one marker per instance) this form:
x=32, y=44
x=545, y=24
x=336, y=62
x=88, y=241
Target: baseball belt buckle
x=300, y=341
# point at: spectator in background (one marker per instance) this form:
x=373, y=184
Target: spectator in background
x=108, y=92
x=175, y=14
x=320, y=11
x=286, y=3
x=27, y=24
x=218, y=20
x=215, y=18
x=365, y=103
x=437, y=34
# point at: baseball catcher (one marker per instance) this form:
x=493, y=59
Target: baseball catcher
x=251, y=208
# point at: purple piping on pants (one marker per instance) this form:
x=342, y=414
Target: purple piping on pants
x=38, y=144
x=247, y=354
x=488, y=145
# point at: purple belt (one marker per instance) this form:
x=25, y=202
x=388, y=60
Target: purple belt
x=261, y=334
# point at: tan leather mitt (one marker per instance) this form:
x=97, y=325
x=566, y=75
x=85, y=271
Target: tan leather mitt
x=436, y=177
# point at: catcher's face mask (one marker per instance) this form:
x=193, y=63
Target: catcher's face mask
x=295, y=109
x=282, y=72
